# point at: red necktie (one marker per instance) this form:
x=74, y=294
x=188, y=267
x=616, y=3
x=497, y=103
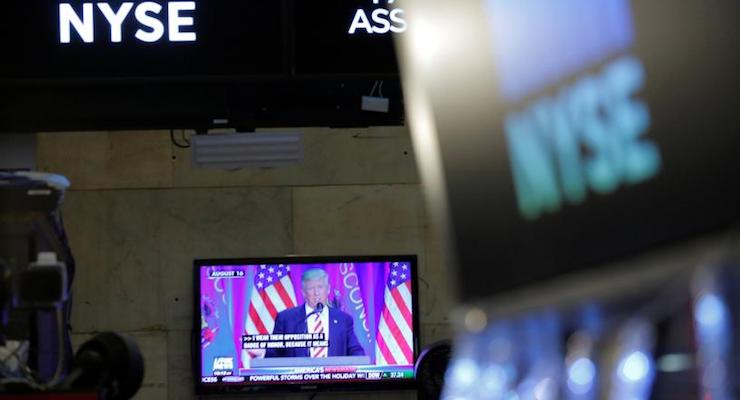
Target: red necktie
x=317, y=327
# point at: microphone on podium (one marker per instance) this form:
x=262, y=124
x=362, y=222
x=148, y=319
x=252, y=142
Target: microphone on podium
x=319, y=308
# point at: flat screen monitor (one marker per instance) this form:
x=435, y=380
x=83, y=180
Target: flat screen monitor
x=305, y=323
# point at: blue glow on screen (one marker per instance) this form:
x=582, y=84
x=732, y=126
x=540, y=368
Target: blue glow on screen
x=463, y=373
x=539, y=42
x=581, y=375
x=635, y=367
x=710, y=312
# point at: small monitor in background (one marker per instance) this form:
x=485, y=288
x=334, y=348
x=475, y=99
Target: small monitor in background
x=306, y=323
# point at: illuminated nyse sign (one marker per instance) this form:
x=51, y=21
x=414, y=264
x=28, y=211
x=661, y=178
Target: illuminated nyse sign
x=591, y=134
x=148, y=14
x=378, y=21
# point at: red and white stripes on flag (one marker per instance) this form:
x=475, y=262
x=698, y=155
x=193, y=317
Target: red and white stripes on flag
x=273, y=292
x=394, y=340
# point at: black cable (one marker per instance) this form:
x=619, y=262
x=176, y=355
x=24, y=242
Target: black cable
x=185, y=138
x=313, y=396
x=172, y=138
x=372, y=91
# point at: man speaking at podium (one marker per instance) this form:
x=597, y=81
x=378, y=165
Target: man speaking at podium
x=315, y=317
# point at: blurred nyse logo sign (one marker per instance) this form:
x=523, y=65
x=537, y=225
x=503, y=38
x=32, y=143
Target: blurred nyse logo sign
x=591, y=133
x=600, y=114
x=148, y=14
x=378, y=21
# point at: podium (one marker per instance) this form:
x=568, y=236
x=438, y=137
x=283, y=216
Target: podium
x=278, y=362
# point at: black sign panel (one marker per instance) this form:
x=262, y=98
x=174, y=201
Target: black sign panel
x=597, y=130
x=347, y=36
x=61, y=39
x=115, y=64
x=90, y=39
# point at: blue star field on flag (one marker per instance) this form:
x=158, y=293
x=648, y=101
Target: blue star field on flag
x=400, y=273
x=269, y=274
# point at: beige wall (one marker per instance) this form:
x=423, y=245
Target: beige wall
x=138, y=214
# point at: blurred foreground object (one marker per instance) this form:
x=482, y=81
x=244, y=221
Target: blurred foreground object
x=557, y=136
x=36, y=273
x=669, y=336
x=110, y=363
x=430, y=369
x=561, y=143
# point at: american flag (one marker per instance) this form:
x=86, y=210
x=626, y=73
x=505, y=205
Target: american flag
x=273, y=292
x=394, y=341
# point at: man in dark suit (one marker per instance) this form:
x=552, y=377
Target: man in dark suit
x=315, y=317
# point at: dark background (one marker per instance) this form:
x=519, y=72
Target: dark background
x=257, y=63
x=323, y=46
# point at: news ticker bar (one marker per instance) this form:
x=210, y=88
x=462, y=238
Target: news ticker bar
x=311, y=377
x=325, y=370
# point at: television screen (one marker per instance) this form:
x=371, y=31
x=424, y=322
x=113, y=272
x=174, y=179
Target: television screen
x=305, y=323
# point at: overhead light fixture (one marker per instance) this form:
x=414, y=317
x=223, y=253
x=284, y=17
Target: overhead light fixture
x=247, y=150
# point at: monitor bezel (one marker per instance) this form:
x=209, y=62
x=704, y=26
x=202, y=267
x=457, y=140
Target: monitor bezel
x=333, y=386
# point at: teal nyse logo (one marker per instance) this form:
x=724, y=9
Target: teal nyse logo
x=589, y=137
